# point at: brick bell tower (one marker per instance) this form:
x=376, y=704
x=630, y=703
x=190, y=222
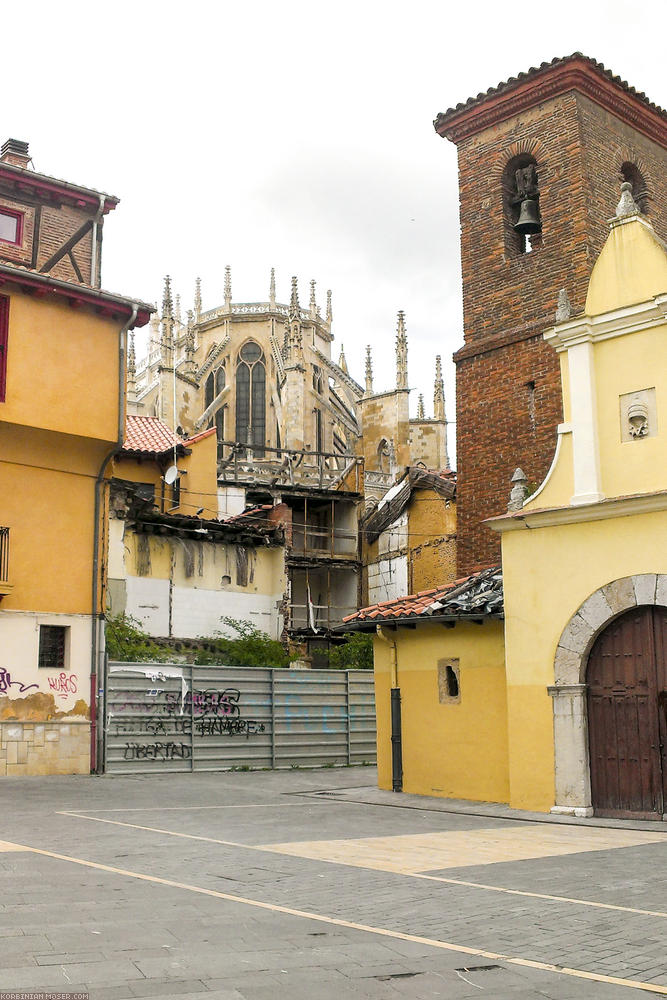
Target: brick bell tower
x=546, y=150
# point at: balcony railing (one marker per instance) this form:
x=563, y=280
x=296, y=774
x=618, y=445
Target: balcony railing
x=286, y=466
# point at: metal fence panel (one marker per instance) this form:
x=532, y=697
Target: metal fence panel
x=161, y=717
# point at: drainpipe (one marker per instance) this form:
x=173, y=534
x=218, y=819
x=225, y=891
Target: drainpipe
x=93, y=254
x=396, y=743
x=96, y=621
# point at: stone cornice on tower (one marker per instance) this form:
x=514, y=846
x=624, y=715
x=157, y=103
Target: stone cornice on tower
x=576, y=72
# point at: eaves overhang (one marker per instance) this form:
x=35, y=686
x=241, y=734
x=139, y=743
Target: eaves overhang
x=50, y=188
x=576, y=72
x=411, y=621
x=77, y=296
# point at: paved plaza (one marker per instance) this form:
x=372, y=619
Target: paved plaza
x=314, y=885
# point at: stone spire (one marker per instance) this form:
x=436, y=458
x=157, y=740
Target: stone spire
x=167, y=339
x=131, y=371
x=295, y=346
x=197, y=309
x=369, y=372
x=177, y=310
x=401, y=353
x=420, y=407
x=228, y=287
x=627, y=205
x=438, y=392
x=313, y=300
x=272, y=289
x=329, y=310
x=342, y=360
x=154, y=337
x=189, y=367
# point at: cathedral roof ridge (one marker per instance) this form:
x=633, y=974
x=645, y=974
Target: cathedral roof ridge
x=574, y=71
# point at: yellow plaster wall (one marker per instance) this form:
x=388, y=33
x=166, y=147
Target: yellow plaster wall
x=47, y=486
x=62, y=369
x=449, y=750
x=623, y=365
x=548, y=573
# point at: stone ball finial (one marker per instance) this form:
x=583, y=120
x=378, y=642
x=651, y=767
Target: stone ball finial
x=519, y=490
x=627, y=205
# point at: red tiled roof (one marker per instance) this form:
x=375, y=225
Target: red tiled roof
x=253, y=514
x=149, y=434
x=200, y=437
x=475, y=596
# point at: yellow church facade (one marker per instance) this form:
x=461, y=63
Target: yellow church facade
x=544, y=684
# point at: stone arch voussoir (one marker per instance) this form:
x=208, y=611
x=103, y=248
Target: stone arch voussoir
x=597, y=611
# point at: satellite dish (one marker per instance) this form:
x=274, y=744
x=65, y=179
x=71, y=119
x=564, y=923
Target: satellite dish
x=171, y=475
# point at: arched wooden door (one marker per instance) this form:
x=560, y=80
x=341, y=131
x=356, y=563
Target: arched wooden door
x=627, y=715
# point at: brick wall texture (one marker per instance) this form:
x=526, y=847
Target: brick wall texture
x=508, y=378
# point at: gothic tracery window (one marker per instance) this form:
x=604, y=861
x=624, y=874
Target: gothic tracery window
x=251, y=397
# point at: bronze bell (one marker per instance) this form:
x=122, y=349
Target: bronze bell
x=529, y=218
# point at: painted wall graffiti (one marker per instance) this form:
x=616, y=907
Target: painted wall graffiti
x=6, y=683
x=63, y=684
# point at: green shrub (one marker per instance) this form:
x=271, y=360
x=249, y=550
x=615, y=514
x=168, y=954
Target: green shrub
x=126, y=641
x=356, y=653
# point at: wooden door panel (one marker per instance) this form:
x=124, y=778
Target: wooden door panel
x=660, y=641
x=622, y=677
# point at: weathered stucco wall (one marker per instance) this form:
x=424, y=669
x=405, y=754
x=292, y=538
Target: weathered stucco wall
x=451, y=748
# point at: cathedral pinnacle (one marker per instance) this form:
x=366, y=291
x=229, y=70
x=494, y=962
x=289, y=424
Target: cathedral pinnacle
x=131, y=356
x=342, y=360
x=401, y=353
x=197, y=309
x=313, y=301
x=420, y=407
x=167, y=305
x=369, y=372
x=294, y=309
x=272, y=289
x=228, y=287
x=177, y=310
x=438, y=391
x=329, y=311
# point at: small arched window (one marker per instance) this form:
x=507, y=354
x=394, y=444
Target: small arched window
x=251, y=398
x=630, y=172
x=219, y=380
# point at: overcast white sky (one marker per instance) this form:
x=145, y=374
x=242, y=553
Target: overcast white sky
x=292, y=135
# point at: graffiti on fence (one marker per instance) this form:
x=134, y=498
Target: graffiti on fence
x=157, y=751
x=170, y=713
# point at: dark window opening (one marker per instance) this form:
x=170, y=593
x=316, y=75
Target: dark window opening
x=319, y=442
x=209, y=391
x=52, y=646
x=176, y=492
x=452, y=682
x=219, y=380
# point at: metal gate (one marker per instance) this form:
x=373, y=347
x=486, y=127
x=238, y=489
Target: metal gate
x=162, y=717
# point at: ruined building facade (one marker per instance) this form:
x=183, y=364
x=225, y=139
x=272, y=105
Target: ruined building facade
x=293, y=427
x=545, y=151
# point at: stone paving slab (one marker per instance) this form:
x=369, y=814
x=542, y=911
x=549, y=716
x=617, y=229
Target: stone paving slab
x=82, y=928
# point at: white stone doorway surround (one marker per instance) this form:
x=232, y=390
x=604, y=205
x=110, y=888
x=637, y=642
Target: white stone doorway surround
x=572, y=761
